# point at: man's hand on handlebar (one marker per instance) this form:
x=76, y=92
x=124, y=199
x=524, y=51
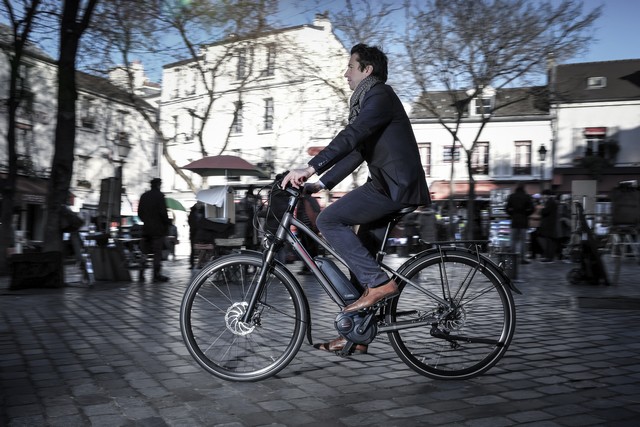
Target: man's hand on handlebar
x=297, y=177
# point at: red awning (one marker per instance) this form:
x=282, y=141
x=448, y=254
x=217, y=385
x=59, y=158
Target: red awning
x=441, y=189
x=597, y=131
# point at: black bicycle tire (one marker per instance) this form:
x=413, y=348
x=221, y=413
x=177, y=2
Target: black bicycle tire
x=416, y=362
x=282, y=358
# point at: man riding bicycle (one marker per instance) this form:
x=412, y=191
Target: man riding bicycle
x=379, y=132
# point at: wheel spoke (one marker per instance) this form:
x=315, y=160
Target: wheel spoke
x=212, y=313
x=474, y=326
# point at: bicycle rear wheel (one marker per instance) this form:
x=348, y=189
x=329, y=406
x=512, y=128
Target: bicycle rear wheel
x=211, y=319
x=467, y=339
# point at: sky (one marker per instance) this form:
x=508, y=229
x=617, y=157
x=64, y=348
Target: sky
x=617, y=30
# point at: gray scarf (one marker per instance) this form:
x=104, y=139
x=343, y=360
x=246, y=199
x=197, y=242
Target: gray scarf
x=355, y=104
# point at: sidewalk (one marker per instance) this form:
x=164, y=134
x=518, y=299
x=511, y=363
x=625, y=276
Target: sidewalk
x=112, y=355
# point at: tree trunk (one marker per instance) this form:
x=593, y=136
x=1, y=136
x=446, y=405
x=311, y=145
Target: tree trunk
x=8, y=186
x=62, y=166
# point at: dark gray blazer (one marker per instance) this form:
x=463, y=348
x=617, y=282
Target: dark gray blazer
x=382, y=136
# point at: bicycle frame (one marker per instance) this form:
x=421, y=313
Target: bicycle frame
x=244, y=316
x=284, y=234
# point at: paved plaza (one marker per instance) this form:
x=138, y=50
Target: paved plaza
x=111, y=355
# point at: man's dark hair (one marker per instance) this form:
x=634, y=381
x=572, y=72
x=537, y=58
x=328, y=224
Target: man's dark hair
x=372, y=55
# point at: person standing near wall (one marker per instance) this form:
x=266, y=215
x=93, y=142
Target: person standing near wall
x=519, y=207
x=152, y=210
x=548, y=231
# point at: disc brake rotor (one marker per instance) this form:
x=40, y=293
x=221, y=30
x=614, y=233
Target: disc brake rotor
x=233, y=319
x=456, y=320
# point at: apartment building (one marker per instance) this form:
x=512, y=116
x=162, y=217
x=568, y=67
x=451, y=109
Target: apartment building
x=508, y=149
x=108, y=128
x=273, y=100
x=596, y=109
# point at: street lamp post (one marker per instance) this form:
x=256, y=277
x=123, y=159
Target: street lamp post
x=124, y=147
x=542, y=155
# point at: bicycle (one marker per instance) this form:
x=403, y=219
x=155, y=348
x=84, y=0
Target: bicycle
x=244, y=316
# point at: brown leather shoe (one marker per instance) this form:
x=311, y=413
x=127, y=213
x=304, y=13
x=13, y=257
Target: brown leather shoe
x=373, y=295
x=338, y=344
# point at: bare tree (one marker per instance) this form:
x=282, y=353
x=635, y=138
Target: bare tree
x=75, y=18
x=462, y=48
x=21, y=22
x=184, y=30
x=369, y=22
x=366, y=21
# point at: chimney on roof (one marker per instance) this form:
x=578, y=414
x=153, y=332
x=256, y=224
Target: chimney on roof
x=551, y=72
x=322, y=20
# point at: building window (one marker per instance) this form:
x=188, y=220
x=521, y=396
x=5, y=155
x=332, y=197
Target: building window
x=596, y=82
x=193, y=78
x=236, y=126
x=24, y=78
x=595, y=144
x=271, y=60
x=480, y=159
x=122, y=119
x=268, y=114
x=446, y=155
x=24, y=138
x=241, y=67
x=88, y=113
x=483, y=106
x=522, y=161
x=177, y=73
x=425, y=157
x=194, y=125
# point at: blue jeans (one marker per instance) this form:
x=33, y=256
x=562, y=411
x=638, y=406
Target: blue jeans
x=364, y=205
x=519, y=241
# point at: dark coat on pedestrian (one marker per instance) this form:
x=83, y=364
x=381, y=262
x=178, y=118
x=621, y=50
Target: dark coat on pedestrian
x=152, y=210
x=549, y=219
x=519, y=207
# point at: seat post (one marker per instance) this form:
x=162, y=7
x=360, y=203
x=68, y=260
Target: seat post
x=395, y=218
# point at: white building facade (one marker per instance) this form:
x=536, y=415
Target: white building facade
x=273, y=100
x=597, y=123
x=106, y=119
x=507, y=151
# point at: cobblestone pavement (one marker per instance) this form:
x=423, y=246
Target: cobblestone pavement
x=112, y=355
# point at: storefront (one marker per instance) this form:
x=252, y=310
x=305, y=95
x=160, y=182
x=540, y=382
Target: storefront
x=29, y=206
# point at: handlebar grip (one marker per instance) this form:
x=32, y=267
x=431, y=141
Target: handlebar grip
x=280, y=177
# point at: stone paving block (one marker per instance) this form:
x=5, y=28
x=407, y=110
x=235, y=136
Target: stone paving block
x=66, y=421
x=117, y=342
x=530, y=416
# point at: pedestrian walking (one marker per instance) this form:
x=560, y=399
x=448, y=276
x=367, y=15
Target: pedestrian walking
x=564, y=225
x=548, y=231
x=519, y=207
x=152, y=210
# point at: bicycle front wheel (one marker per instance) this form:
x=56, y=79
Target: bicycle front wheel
x=462, y=337
x=211, y=316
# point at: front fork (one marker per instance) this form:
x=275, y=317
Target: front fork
x=268, y=257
